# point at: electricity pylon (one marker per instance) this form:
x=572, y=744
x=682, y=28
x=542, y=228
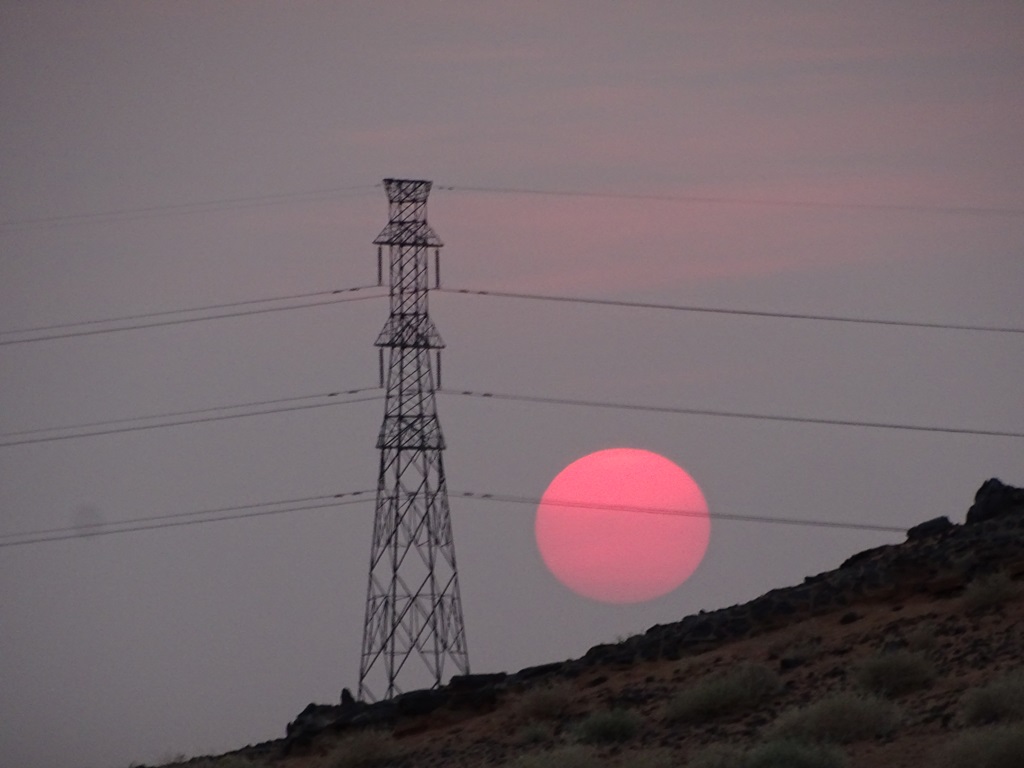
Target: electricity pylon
x=413, y=624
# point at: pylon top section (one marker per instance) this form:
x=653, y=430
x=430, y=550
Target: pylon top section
x=407, y=224
x=407, y=190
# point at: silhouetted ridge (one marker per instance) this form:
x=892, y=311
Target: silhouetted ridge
x=939, y=558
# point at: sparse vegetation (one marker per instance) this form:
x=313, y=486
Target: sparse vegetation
x=550, y=702
x=562, y=757
x=1000, y=701
x=786, y=753
x=895, y=673
x=649, y=758
x=922, y=638
x=989, y=591
x=534, y=733
x=840, y=719
x=608, y=727
x=223, y=761
x=717, y=756
x=363, y=749
x=778, y=753
x=796, y=647
x=993, y=747
x=741, y=689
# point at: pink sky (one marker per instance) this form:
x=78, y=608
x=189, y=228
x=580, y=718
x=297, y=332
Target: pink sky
x=209, y=637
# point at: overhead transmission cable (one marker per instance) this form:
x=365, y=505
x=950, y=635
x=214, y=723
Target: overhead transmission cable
x=969, y=210
x=178, y=321
x=34, y=436
x=177, y=520
x=676, y=512
x=204, y=206
x=730, y=414
x=244, y=511
x=728, y=311
x=174, y=414
x=184, y=310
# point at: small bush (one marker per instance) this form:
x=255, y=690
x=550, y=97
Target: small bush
x=784, y=753
x=989, y=591
x=534, y=733
x=548, y=703
x=895, y=673
x=996, y=747
x=224, y=761
x=563, y=757
x=922, y=638
x=363, y=749
x=608, y=727
x=839, y=719
x=779, y=753
x=717, y=756
x=796, y=647
x=742, y=689
x=1001, y=700
x=649, y=758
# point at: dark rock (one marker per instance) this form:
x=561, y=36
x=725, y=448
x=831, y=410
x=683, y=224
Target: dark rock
x=472, y=682
x=929, y=528
x=378, y=714
x=610, y=654
x=540, y=670
x=994, y=499
x=419, y=702
x=849, y=617
x=309, y=722
x=479, y=700
x=867, y=554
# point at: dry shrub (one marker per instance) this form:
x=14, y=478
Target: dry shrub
x=989, y=591
x=922, y=638
x=363, y=749
x=739, y=690
x=224, y=761
x=778, y=753
x=609, y=727
x=840, y=719
x=563, y=757
x=895, y=673
x=550, y=702
x=796, y=646
x=786, y=753
x=1001, y=700
x=717, y=756
x=534, y=733
x=648, y=758
x=993, y=747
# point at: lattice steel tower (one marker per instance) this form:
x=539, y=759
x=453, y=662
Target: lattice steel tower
x=413, y=626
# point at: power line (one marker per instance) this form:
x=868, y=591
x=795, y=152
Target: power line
x=174, y=414
x=675, y=512
x=743, y=312
x=123, y=214
x=245, y=511
x=174, y=521
x=200, y=420
x=183, y=310
x=731, y=414
x=180, y=321
x=725, y=200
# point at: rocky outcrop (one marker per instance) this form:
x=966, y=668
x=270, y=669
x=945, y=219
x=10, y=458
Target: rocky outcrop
x=938, y=557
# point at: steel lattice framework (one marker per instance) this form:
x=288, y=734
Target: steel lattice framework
x=413, y=607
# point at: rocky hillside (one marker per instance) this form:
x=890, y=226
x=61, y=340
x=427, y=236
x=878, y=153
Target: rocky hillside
x=899, y=657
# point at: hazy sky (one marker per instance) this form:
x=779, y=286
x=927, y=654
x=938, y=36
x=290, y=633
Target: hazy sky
x=905, y=118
